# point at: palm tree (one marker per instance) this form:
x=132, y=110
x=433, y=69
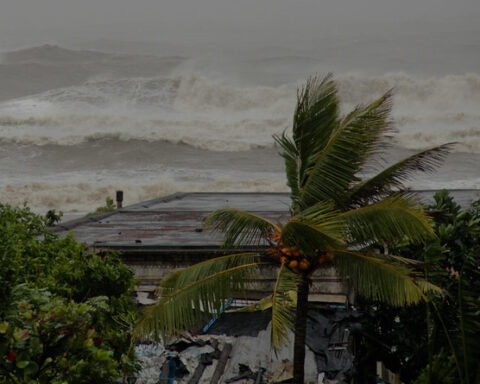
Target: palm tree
x=336, y=219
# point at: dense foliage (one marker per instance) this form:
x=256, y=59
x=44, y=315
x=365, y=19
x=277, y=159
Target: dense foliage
x=65, y=313
x=437, y=343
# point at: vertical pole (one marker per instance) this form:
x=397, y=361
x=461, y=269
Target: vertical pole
x=119, y=199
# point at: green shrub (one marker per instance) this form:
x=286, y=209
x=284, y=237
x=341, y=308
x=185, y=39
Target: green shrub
x=108, y=207
x=408, y=340
x=47, y=339
x=49, y=285
x=440, y=371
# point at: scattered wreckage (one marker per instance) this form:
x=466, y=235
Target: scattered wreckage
x=236, y=349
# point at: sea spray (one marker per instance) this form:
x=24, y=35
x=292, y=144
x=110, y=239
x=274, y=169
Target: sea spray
x=77, y=125
x=212, y=115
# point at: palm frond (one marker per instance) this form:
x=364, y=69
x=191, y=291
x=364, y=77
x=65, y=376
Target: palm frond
x=405, y=260
x=267, y=302
x=376, y=278
x=240, y=228
x=394, y=176
x=314, y=120
x=318, y=227
x=323, y=214
x=357, y=137
x=315, y=114
x=428, y=287
x=388, y=220
x=307, y=237
x=283, y=302
x=283, y=306
x=291, y=156
x=190, y=295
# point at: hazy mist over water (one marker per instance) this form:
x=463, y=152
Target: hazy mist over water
x=155, y=97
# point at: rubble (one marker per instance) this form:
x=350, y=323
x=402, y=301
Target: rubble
x=152, y=357
x=237, y=349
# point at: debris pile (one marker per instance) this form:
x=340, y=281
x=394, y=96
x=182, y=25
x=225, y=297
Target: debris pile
x=237, y=349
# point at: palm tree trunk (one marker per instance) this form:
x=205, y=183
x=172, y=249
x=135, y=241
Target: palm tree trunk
x=300, y=332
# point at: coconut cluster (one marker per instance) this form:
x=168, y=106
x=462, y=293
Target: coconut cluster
x=293, y=256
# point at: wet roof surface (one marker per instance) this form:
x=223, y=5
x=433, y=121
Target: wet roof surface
x=176, y=221
x=171, y=222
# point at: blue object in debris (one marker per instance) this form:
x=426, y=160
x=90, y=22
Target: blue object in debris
x=172, y=370
x=214, y=318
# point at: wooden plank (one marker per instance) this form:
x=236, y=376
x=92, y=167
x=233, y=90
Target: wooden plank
x=222, y=362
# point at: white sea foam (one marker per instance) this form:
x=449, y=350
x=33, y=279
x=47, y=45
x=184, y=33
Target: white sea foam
x=83, y=123
x=213, y=115
x=426, y=112
x=189, y=110
x=83, y=197
x=77, y=197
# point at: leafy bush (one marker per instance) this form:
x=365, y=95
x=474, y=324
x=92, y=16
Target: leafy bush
x=47, y=339
x=441, y=370
x=65, y=314
x=108, y=207
x=421, y=342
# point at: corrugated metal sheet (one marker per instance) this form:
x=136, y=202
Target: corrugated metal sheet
x=171, y=222
x=175, y=222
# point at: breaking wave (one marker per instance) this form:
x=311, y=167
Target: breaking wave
x=215, y=115
x=190, y=110
x=426, y=112
x=77, y=125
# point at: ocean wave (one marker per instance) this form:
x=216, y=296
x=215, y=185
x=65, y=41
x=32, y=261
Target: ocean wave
x=54, y=54
x=39, y=69
x=190, y=110
x=84, y=197
x=426, y=111
x=203, y=134
x=212, y=114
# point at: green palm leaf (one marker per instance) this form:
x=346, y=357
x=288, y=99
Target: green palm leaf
x=314, y=120
x=240, y=228
x=315, y=115
x=378, y=278
x=283, y=305
x=282, y=302
x=356, y=138
x=388, y=220
x=404, y=260
x=292, y=165
x=395, y=175
x=318, y=227
x=193, y=294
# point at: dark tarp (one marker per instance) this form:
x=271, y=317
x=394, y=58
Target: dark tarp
x=328, y=335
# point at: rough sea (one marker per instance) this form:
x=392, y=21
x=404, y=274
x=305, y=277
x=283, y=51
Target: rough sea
x=79, y=122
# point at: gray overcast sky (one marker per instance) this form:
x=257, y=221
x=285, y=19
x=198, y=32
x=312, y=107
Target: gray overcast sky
x=217, y=19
